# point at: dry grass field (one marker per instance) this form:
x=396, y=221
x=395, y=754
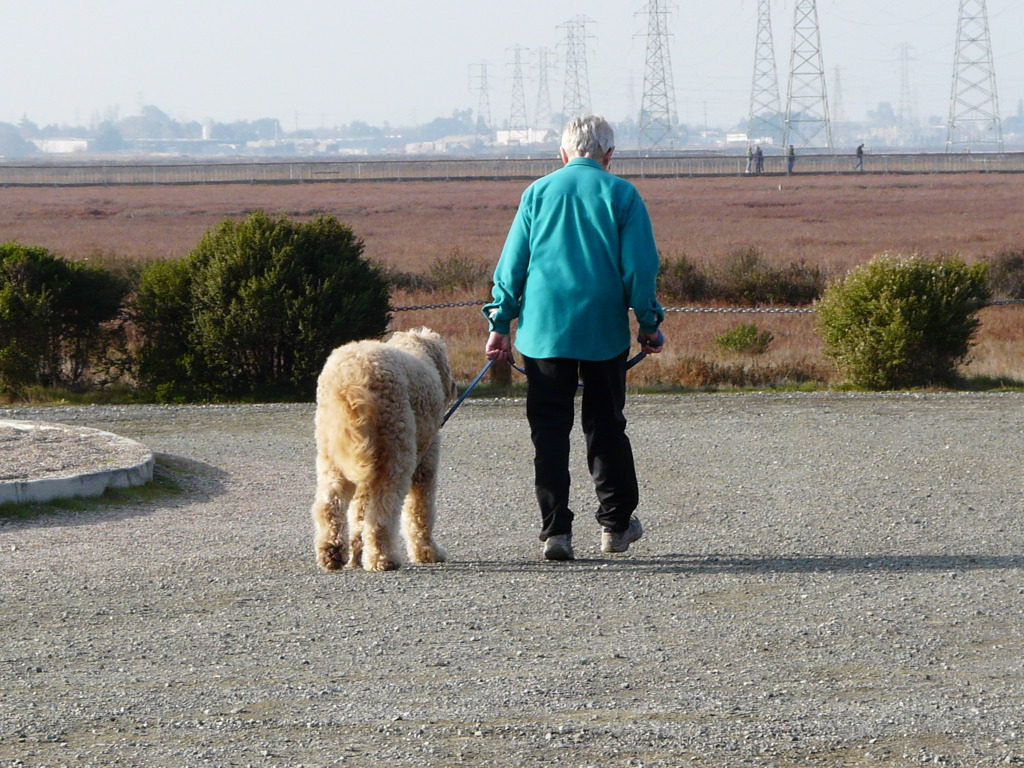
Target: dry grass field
x=834, y=222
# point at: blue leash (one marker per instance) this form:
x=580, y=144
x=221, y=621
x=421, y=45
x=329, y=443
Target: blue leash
x=629, y=364
x=466, y=393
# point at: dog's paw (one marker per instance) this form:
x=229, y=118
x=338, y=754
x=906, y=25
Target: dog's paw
x=429, y=555
x=331, y=558
x=380, y=563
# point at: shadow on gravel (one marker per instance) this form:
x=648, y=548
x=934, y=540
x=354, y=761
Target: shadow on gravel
x=734, y=564
x=177, y=481
x=832, y=563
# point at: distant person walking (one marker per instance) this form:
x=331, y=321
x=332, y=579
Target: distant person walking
x=750, y=158
x=758, y=160
x=790, y=159
x=860, y=159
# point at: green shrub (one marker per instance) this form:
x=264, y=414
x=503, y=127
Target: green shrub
x=745, y=338
x=256, y=307
x=902, y=322
x=798, y=284
x=680, y=280
x=744, y=277
x=456, y=272
x=400, y=280
x=160, y=311
x=1006, y=274
x=55, y=317
x=451, y=273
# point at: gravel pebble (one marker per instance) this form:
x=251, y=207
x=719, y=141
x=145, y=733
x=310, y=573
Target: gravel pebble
x=825, y=580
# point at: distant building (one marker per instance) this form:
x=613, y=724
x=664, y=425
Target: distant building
x=442, y=146
x=61, y=146
x=523, y=137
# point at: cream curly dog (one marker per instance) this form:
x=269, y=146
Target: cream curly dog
x=379, y=409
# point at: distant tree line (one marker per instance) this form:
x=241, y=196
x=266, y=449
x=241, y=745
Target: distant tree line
x=112, y=134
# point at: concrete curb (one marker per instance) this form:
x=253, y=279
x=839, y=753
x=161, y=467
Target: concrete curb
x=131, y=465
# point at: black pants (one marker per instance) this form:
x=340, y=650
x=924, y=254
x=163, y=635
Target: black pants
x=550, y=408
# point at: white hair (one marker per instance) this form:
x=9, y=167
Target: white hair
x=588, y=136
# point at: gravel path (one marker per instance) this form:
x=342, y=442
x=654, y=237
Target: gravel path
x=826, y=580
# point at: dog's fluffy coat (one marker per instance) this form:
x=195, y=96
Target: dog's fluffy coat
x=379, y=408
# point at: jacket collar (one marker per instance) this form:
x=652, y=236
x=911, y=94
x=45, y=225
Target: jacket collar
x=584, y=161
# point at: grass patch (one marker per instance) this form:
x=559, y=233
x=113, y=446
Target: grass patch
x=991, y=384
x=113, y=395
x=166, y=483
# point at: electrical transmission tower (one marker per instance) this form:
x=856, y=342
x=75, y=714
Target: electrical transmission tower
x=905, y=115
x=576, y=99
x=836, y=113
x=658, y=104
x=807, y=123
x=478, y=82
x=973, y=104
x=543, y=117
x=517, y=123
x=765, y=124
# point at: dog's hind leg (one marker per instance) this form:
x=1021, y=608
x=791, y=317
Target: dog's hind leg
x=356, y=525
x=381, y=515
x=333, y=494
x=419, y=511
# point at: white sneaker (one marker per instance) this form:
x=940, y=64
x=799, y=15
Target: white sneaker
x=619, y=542
x=559, y=547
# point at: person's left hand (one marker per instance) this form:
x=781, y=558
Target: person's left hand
x=651, y=343
x=498, y=347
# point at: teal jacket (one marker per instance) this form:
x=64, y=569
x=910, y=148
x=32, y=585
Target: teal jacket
x=579, y=255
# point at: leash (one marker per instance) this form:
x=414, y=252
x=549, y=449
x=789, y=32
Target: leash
x=466, y=393
x=629, y=364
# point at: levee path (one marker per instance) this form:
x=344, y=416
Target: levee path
x=826, y=580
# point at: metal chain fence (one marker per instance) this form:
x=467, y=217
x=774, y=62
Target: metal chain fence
x=694, y=310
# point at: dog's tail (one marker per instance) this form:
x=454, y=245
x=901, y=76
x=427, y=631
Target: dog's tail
x=348, y=412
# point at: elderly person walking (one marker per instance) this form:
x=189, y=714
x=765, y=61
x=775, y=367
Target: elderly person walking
x=579, y=256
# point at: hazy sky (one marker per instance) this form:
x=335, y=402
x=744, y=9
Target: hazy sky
x=327, y=62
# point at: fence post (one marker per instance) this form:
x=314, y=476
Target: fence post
x=501, y=375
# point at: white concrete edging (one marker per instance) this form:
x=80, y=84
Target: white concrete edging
x=86, y=483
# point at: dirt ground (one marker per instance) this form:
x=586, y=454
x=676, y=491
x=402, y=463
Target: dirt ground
x=834, y=221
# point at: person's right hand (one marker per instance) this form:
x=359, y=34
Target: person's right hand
x=498, y=347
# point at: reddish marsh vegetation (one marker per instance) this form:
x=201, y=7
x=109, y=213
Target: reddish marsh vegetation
x=833, y=222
